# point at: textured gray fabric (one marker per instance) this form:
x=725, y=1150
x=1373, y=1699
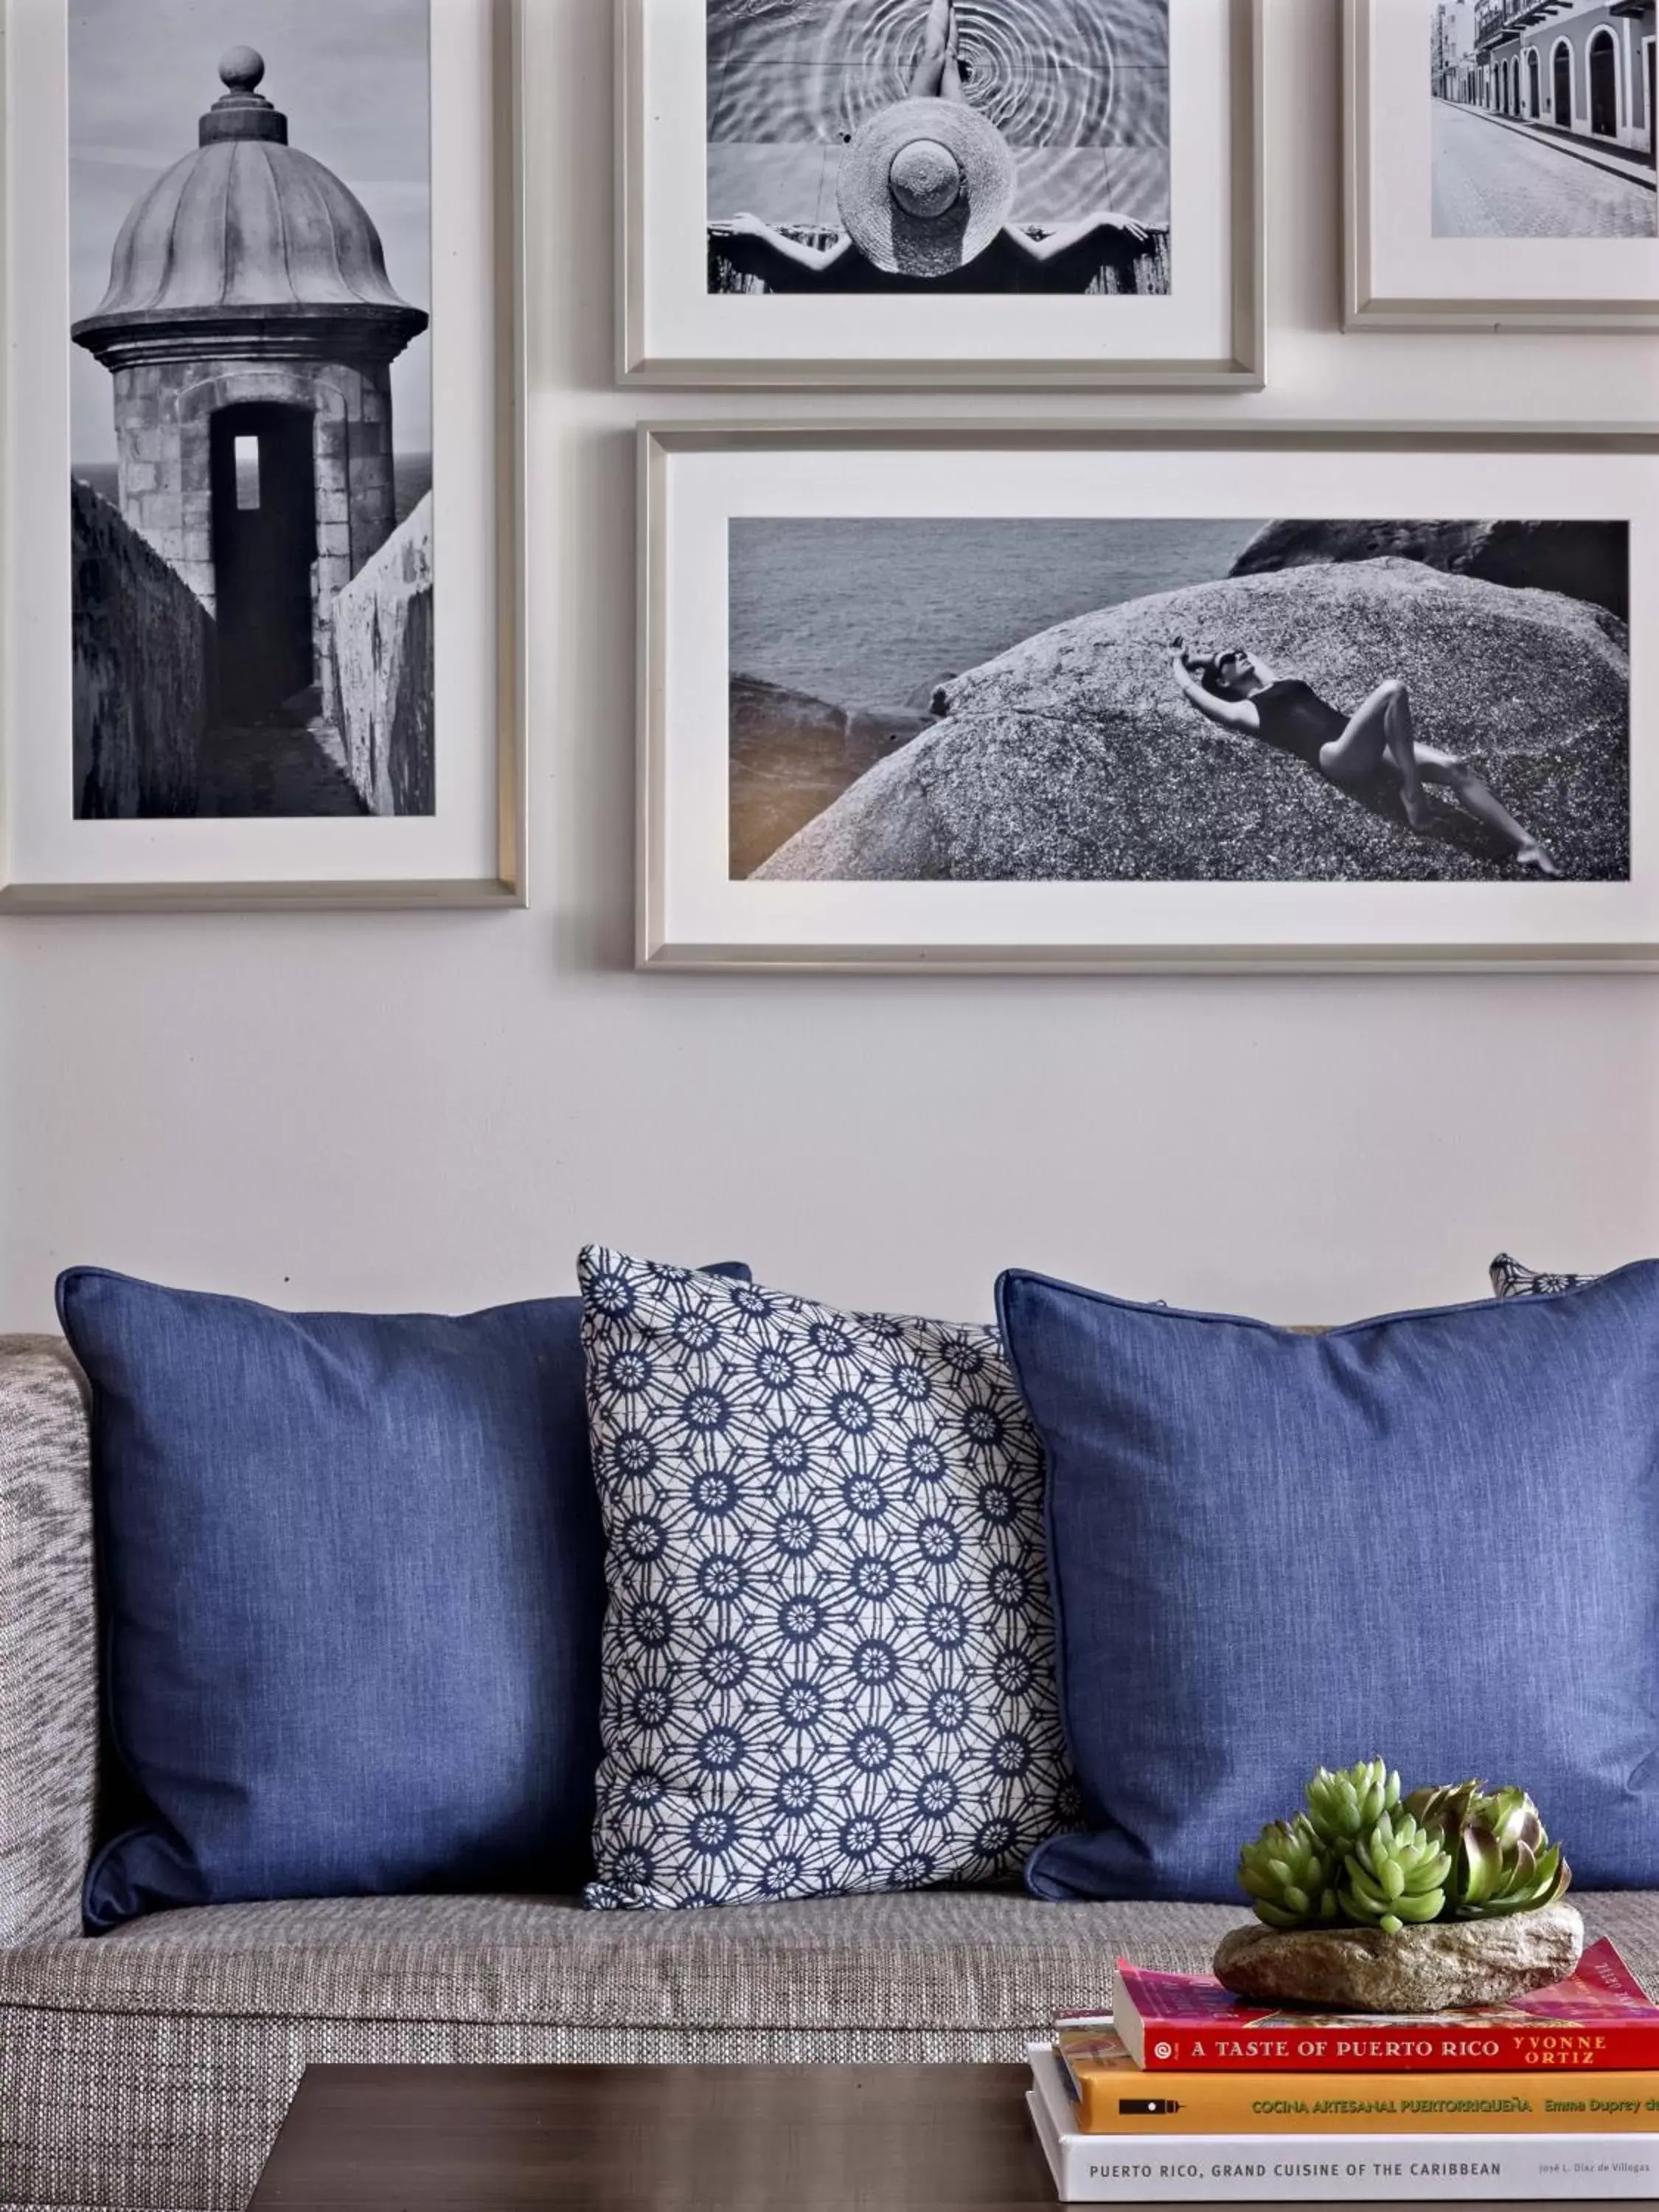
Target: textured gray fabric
x=935, y=1960
x=48, y=1669
x=148, y=2112
x=152, y=2068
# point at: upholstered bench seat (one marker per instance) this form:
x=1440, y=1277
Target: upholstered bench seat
x=150, y=2067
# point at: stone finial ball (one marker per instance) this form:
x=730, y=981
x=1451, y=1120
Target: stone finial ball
x=926, y=179
x=242, y=69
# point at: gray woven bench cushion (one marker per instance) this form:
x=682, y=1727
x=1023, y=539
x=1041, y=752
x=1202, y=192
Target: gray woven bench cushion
x=934, y=1959
x=152, y=2068
x=48, y=1642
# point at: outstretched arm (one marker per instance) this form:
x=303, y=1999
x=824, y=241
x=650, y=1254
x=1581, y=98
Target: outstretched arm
x=804, y=257
x=1229, y=713
x=1072, y=233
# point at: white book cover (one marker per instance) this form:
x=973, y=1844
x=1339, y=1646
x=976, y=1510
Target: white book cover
x=1319, y=2168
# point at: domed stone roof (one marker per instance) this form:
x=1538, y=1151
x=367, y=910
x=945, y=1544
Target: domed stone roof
x=250, y=243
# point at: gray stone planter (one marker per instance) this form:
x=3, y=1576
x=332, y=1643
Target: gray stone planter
x=1445, y=1965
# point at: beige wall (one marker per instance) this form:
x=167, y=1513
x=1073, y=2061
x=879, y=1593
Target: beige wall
x=418, y=1109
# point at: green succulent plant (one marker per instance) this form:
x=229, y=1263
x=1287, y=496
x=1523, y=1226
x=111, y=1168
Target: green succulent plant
x=1291, y=1874
x=1345, y=1806
x=1396, y=1873
x=1359, y=1855
x=1503, y=1860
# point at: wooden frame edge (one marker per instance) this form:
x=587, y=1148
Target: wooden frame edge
x=657, y=442
x=651, y=450
x=1067, y=960
x=1365, y=311
x=510, y=887
x=1242, y=371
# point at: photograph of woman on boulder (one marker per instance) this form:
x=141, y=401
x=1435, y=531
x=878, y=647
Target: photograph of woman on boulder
x=1374, y=752
x=988, y=699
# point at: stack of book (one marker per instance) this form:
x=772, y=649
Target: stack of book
x=1184, y=2091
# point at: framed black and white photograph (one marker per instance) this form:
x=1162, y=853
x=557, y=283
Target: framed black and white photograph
x=858, y=191
x=260, y=432
x=1500, y=165
x=1062, y=699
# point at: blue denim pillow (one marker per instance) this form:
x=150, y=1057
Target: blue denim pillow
x=352, y=1579
x=1433, y=1536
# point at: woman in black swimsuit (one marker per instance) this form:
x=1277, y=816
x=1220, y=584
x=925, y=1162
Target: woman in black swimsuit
x=1238, y=692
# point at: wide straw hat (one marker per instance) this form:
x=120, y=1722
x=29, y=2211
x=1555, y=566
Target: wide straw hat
x=925, y=186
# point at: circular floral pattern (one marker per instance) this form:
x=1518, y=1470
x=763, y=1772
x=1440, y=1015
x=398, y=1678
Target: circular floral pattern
x=824, y=1559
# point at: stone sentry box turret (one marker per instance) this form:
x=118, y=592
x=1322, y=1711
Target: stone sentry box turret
x=250, y=327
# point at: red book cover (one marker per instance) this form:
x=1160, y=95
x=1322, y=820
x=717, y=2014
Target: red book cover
x=1599, y=2018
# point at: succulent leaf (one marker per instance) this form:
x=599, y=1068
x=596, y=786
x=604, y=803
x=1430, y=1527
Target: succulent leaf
x=1359, y=1851
x=1345, y=1805
x=1396, y=1872
x=1445, y=1807
x=1504, y=1861
x=1290, y=1875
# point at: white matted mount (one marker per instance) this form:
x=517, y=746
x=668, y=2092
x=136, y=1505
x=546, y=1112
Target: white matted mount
x=1398, y=273
x=464, y=843
x=1032, y=739
x=1205, y=332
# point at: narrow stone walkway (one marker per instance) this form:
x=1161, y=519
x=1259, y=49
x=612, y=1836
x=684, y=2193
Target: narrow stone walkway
x=1497, y=179
x=271, y=769
x=1601, y=153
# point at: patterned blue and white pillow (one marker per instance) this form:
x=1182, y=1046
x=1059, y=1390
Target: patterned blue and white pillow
x=1510, y=1279
x=829, y=1652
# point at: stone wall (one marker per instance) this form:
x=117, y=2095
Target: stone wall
x=380, y=692
x=163, y=420
x=144, y=661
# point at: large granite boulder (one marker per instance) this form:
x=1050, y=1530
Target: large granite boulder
x=1581, y=560
x=1074, y=756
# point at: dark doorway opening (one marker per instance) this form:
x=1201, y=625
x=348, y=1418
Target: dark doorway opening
x=1603, y=86
x=1653, y=148
x=1563, y=87
x=1535, y=95
x=265, y=542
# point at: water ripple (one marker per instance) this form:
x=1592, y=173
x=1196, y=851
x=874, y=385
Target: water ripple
x=1046, y=72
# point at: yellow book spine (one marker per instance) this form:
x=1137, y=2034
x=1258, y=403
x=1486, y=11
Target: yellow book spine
x=1121, y=2100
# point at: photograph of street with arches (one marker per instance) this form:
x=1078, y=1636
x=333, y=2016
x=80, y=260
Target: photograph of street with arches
x=1543, y=119
x=939, y=146
x=1167, y=700
x=250, y=408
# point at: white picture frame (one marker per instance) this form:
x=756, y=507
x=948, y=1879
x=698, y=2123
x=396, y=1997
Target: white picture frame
x=697, y=479
x=1207, y=334
x=469, y=847
x=1398, y=273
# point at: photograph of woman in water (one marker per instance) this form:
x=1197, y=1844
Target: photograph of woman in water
x=938, y=145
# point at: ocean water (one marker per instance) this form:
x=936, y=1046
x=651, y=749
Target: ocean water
x=875, y=613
